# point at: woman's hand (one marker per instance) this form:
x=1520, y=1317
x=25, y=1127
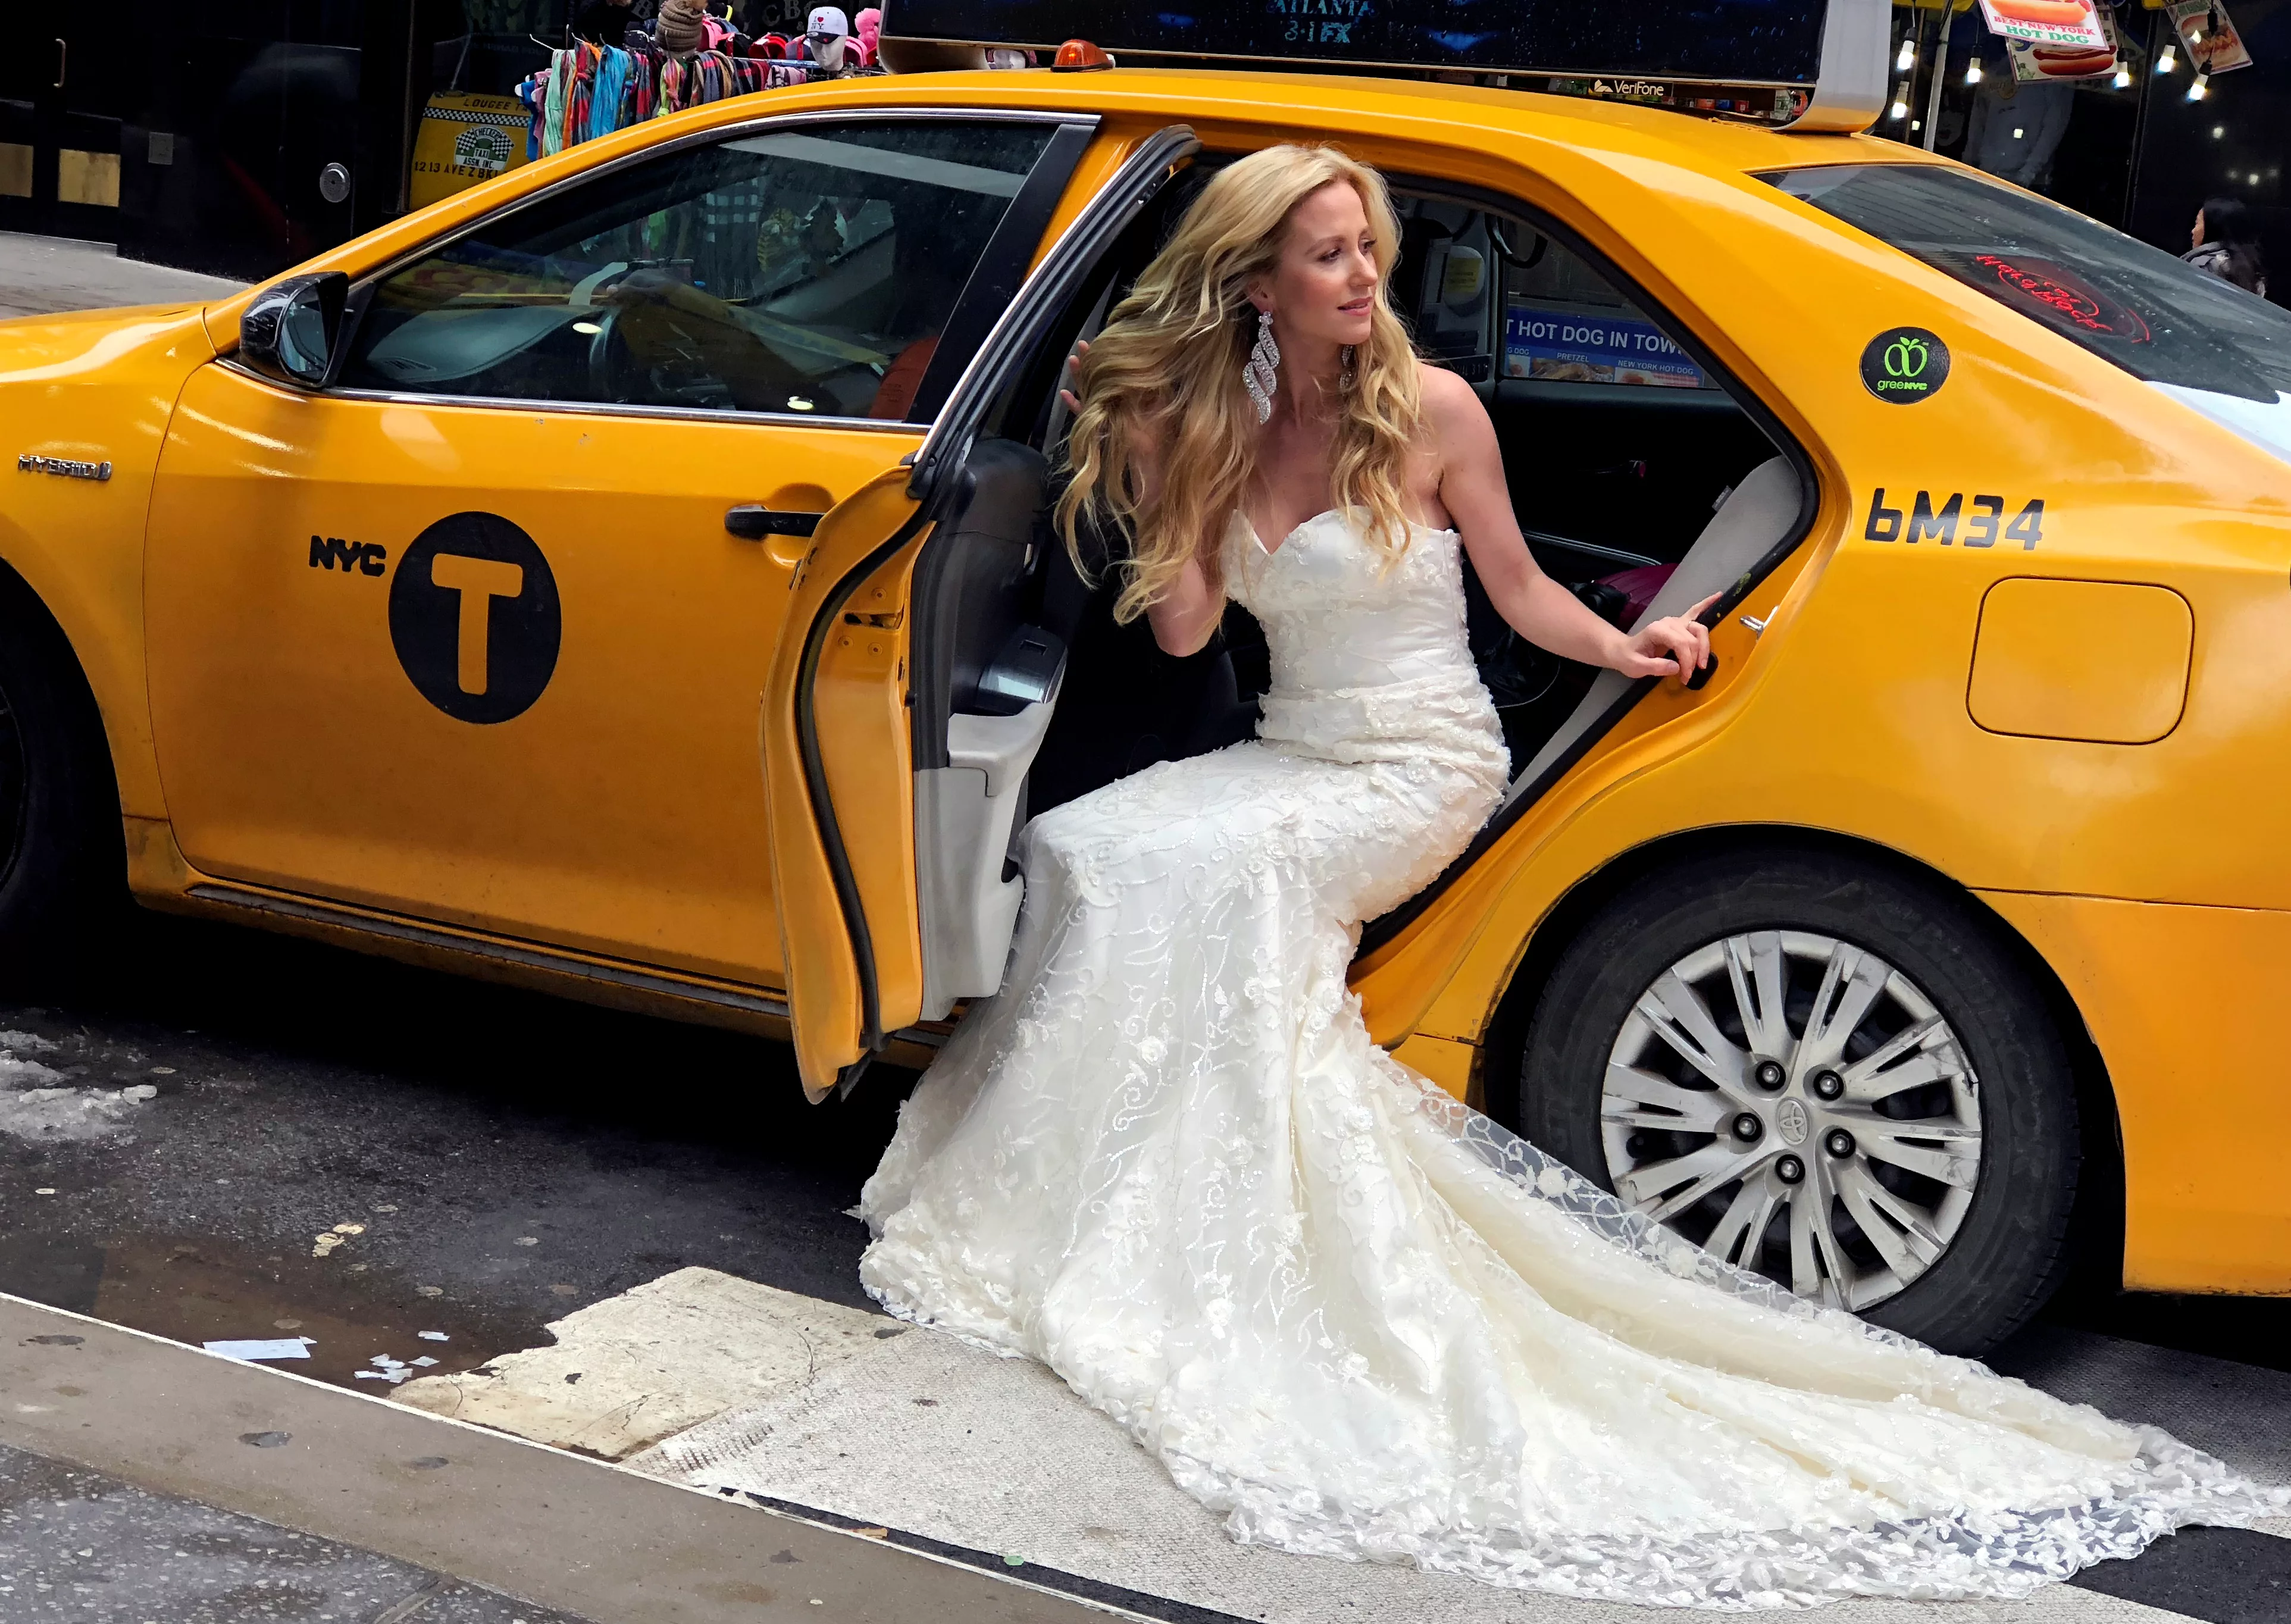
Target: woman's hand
x=1538, y=609
x=1074, y=374
x=1674, y=646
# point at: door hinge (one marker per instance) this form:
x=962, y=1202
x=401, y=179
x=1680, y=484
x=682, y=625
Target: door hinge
x=885, y=622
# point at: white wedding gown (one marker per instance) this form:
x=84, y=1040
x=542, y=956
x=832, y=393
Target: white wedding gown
x=1362, y=1320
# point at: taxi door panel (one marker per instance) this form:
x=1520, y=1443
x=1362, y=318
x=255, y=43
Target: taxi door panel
x=422, y=646
x=837, y=760
x=492, y=667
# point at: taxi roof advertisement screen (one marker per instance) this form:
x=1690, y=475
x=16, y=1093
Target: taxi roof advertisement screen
x=1735, y=42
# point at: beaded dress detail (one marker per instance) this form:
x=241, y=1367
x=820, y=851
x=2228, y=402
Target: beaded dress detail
x=1360, y=1320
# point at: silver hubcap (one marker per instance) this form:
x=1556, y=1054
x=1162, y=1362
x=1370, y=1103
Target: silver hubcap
x=1798, y=1107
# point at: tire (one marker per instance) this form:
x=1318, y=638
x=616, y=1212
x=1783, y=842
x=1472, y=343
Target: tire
x=1955, y=1236
x=62, y=869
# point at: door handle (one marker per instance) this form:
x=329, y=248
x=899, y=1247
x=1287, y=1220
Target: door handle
x=1701, y=674
x=63, y=61
x=752, y=524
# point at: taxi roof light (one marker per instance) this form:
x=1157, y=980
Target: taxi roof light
x=1080, y=56
x=1809, y=65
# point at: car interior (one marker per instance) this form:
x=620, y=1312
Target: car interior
x=1641, y=482
x=789, y=272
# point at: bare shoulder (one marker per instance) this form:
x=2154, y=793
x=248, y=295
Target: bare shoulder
x=1445, y=395
x=1455, y=418
x=1452, y=410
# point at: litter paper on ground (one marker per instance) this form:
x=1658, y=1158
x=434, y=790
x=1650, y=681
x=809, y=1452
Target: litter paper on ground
x=250, y=1348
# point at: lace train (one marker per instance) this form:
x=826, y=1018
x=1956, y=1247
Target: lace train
x=1362, y=1321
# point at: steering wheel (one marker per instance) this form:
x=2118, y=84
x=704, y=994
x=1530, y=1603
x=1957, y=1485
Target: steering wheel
x=1516, y=671
x=603, y=375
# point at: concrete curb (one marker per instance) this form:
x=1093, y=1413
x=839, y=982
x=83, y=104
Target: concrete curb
x=552, y=1528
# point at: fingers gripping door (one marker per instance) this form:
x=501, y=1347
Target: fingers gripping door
x=837, y=767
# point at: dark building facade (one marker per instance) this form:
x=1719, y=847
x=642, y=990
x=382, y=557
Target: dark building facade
x=240, y=136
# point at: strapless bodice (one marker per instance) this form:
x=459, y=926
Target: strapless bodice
x=1370, y=656
x=1339, y=613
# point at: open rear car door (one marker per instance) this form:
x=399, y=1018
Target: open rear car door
x=899, y=699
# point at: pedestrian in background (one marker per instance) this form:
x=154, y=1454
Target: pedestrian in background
x=2225, y=242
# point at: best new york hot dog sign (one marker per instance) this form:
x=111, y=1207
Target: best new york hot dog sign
x=2046, y=22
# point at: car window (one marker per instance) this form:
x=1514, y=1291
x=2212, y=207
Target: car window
x=2154, y=316
x=1564, y=322
x=809, y=270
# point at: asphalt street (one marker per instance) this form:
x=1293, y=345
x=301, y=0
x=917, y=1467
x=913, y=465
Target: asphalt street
x=503, y=1157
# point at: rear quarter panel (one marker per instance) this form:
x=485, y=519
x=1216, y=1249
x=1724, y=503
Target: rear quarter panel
x=1849, y=713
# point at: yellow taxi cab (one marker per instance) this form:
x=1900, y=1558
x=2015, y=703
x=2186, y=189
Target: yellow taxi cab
x=631, y=577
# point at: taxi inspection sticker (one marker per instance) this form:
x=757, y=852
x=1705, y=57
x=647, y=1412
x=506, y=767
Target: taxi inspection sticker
x=475, y=619
x=1905, y=364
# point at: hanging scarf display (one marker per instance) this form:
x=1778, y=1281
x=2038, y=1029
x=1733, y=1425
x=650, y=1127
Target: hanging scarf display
x=588, y=91
x=612, y=81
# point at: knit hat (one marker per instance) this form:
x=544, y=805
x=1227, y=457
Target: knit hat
x=680, y=27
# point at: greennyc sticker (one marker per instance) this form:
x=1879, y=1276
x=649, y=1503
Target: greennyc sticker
x=1905, y=364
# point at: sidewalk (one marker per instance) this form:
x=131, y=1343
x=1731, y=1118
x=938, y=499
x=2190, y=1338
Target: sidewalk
x=369, y=1500
x=40, y=274
x=77, y=1545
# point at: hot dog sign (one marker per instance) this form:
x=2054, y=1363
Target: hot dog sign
x=2049, y=22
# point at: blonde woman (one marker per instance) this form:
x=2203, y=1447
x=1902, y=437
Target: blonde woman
x=1352, y=1315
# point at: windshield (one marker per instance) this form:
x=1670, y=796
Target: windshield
x=2154, y=316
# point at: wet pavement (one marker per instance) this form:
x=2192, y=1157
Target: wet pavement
x=79, y=1546
x=224, y=1135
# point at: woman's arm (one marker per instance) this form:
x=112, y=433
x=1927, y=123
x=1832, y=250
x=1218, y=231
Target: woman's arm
x=1185, y=617
x=1538, y=609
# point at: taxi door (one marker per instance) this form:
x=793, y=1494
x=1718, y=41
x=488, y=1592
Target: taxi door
x=477, y=633
x=892, y=899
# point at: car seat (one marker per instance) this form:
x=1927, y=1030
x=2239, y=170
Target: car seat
x=1761, y=513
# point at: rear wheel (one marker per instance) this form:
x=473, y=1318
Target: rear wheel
x=59, y=860
x=1824, y=1070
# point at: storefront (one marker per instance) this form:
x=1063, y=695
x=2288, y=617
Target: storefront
x=240, y=136
x=2140, y=144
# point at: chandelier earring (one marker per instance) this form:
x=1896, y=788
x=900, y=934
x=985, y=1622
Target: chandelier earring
x=1262, y=373
x=1346, y=376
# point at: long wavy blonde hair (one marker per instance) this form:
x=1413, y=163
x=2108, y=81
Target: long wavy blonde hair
x=1163, y=382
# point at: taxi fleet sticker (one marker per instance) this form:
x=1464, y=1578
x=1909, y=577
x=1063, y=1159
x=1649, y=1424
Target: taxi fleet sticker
x=1959, y=519
x=1903, y=366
